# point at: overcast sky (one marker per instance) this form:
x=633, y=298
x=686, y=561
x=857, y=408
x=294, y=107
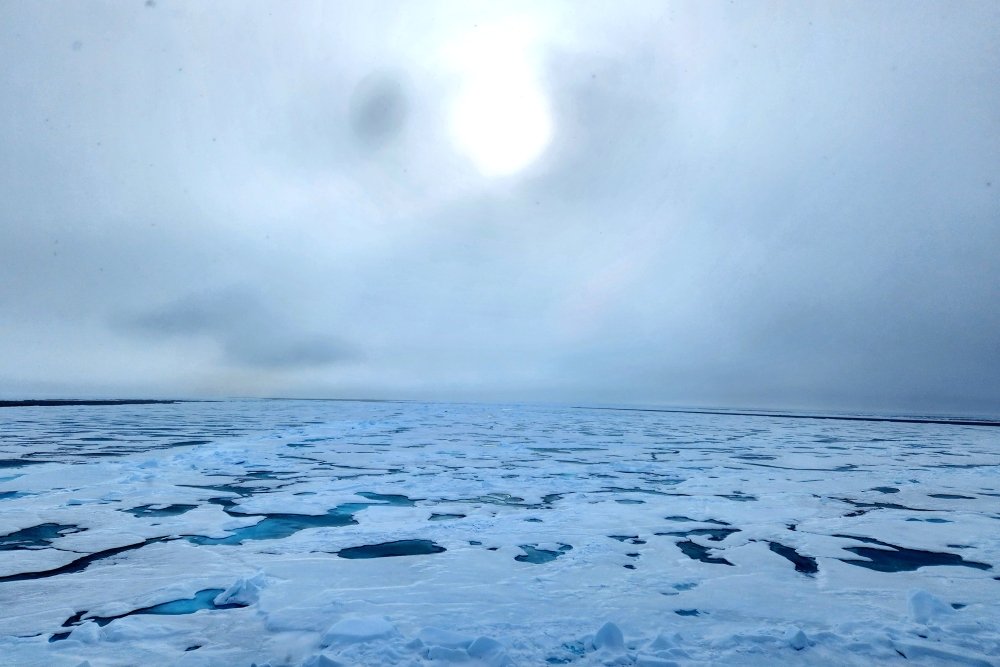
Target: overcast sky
x=759, y=204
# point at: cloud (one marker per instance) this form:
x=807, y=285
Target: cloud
x=740, y=205
x=248, y=331
x=378, y=108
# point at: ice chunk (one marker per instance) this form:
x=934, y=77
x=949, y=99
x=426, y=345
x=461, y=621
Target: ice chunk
x=663, y=642
x=446, y=638
x=358, y=629
x=245, y=591
x=610, y=638
x=924, y=607
x=485, y=648
x=320, y=660
x=797, y=639
x=302, y=618
x=489, y=652
x=445, y=654
x=88, y=633
x=935, y=655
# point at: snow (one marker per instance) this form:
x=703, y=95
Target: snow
x=563, y=547
x=609, y=638
x=360, y=629
x=797, y=639
x=246, y=591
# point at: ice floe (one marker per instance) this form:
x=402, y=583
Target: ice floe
x=381, y=533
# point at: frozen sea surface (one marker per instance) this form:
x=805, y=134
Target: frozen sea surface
x=384, y=533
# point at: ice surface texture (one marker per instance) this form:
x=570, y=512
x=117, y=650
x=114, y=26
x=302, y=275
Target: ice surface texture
x=381, y=533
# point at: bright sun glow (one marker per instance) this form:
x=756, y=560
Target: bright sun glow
x=500, y=117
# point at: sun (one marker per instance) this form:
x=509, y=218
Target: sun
x=500, y=117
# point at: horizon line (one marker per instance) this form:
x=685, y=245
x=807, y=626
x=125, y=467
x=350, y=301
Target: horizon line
x=736, y=412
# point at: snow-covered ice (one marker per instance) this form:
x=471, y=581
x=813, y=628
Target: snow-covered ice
x=381, y=533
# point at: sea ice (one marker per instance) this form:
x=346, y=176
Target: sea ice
x=256, y=532
x=245, y=591
x=358, y=629
x=925, y=607
x=609, y=638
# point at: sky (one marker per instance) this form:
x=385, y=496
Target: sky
x=753, y=204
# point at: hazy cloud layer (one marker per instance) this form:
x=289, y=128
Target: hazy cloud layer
x=793, y=204
x=247, y=330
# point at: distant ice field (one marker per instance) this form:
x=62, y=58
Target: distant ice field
x=328, y=533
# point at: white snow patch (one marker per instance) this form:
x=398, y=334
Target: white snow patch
x=358, y=629
x=246, y=590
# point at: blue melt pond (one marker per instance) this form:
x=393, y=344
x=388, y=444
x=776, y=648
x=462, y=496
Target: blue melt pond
x=201, y=600
x=280, y=526
x=532, y=554
x=152, y=510
x=36, y=537
x=276, y=527
x=391, y=549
